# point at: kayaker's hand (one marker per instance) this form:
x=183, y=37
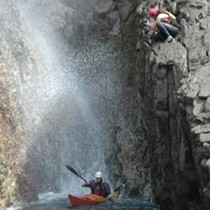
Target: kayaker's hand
x=86, y=184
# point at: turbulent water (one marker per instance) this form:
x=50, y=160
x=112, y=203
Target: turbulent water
x=60, y=202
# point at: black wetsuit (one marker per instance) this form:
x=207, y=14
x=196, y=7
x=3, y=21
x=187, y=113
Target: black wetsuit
x=102, y=188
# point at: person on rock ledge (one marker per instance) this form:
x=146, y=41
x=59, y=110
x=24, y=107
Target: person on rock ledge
x=165, y=26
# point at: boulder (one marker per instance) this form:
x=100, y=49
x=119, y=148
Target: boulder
x=204, y=137
x=201, y=129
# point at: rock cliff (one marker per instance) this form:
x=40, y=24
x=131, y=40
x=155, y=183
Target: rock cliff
x=13, y=75
x=175, y=95
x=169, y=146
x=154, y=105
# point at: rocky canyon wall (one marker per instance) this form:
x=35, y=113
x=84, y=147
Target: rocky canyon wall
x=152, y=101
x=175, y=93
x=171, y=141
x=14, y=73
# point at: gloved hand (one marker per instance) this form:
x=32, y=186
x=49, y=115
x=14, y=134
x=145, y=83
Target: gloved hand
x=86, y=184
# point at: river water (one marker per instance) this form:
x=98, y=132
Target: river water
x=61, y=202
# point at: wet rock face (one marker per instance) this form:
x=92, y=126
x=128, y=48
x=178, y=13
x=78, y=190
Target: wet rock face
x=176, y=111
x=13, y=52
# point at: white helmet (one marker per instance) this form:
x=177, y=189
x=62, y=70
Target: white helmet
x=98, y=174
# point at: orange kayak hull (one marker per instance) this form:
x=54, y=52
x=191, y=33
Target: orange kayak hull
x=90, y=199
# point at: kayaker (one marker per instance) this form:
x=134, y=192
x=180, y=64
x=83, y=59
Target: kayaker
x=98, y=186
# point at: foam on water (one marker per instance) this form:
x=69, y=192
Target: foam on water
x=14, y=208
x=50, y=196
x=62, y=204
x=44, y=198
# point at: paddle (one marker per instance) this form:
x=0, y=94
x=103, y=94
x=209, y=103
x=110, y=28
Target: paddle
x=75, y=172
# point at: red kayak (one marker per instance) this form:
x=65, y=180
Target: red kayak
x=90, y=199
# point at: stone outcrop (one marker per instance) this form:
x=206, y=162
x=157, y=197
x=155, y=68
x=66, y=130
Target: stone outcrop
x=175, y=94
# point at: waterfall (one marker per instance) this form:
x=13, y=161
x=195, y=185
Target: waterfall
x=65, y=124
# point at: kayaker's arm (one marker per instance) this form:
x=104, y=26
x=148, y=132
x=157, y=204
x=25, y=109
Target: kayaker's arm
x=108, y=190
x=86, y=184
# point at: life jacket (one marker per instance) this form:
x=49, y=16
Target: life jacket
x=99, y=188
x=170, y=18
x=98, y=191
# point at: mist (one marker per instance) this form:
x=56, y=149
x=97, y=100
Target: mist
x=67, y=107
